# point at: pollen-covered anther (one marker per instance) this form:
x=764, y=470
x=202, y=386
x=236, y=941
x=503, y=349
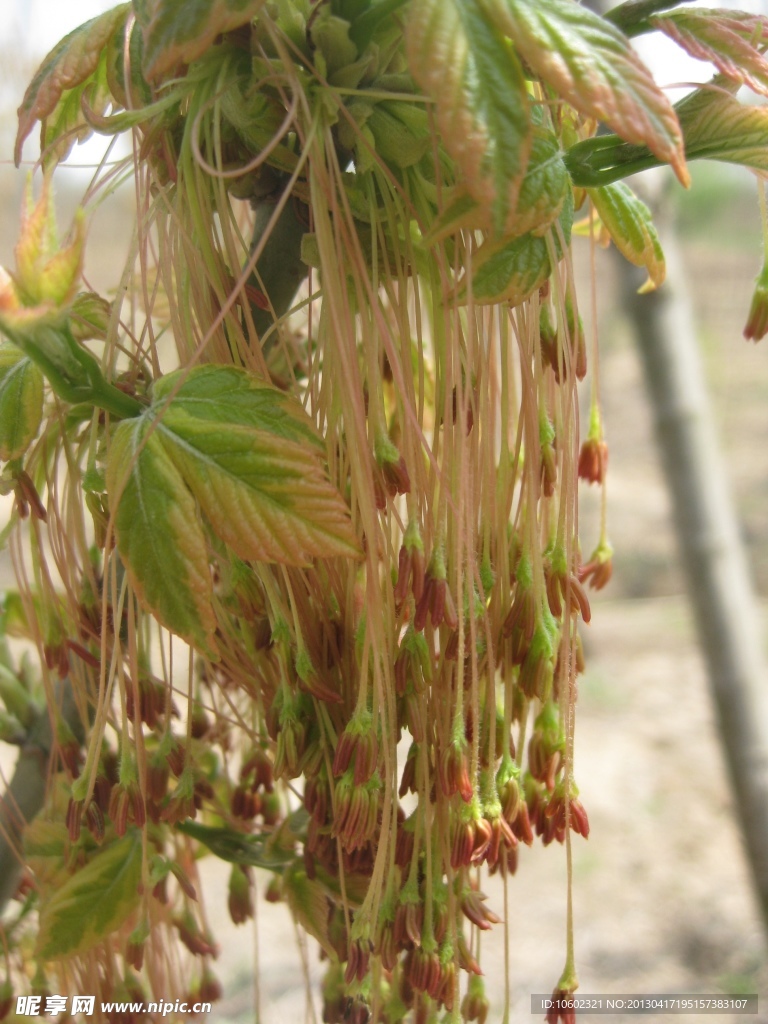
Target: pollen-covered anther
x=521, y=826
x=453, y=773
x=482, y=840
x=593, y=460
x=562, y=1008
x=474, y=909
x=357, y=963
x=74, y=818
x=463, y=843
x=598, y=570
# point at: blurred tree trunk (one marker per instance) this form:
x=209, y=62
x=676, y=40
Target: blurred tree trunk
x=724, y=601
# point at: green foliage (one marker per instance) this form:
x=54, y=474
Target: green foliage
x=479, y=89
x=590, y=64
x=177, y=31
x=53, y=96
x=730, y=40
x=159, y=533
x=21, y=402
x=331, y=444
x=93, y=903
x=628, y=222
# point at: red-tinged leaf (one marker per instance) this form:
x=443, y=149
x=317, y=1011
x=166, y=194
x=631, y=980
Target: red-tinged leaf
x=55, y=92
x=93, y=903
x=592, y=65
x=731, y=40
x=136, y=93
x=159, y=534
x=477, y=84
x=21, y=402
x=177, y=31
x=252, y=458
x=628, y=221
x=717, y=127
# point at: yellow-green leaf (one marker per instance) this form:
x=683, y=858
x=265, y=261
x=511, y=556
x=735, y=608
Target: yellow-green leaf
x=252, y=458
x=21, y=402
x=731, y=40
x=718, y=127
x=54, y=94
x=628, y=221
x=178, y=31
x=592, y=65
x=464, y=64
x=93, y=903
x=89, y=317
x=159, y=534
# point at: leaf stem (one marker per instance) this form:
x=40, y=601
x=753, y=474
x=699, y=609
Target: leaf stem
x=632, y=17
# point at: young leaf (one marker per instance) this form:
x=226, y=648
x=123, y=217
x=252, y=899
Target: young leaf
x=715, y=127
x=544, y=187
x=728, y=39
x=477, y=84
x=505, y=271
x=159, y=534
x=176, y=31
x=509, y=271
x=93, y=903
x=592, y=65
x=252, y=458
x=53, y=96
x=21, y=402
x=628, y=221
x=308, y=903
x=718, y=127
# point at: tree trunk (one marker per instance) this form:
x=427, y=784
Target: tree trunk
x=723, y=599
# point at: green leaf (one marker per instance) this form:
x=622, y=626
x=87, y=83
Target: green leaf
x=592, y=65
x=93, y=903
x=365, y=24
x=309, y=904
x=53, y=96
x=137, y=93
x=236, y=848
x=21, y=402
x=544, y=187
x=715, y=127
x=89, y=317
x=718, y=127
x=330, y=38
x=478, y=86
x=628, y=221
x=727, y=39
x=178, y=31
x=252, y=458
x=159, y=534
x=505, y=271
x=400, y=132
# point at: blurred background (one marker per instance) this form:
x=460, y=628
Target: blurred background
x=663, y=897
